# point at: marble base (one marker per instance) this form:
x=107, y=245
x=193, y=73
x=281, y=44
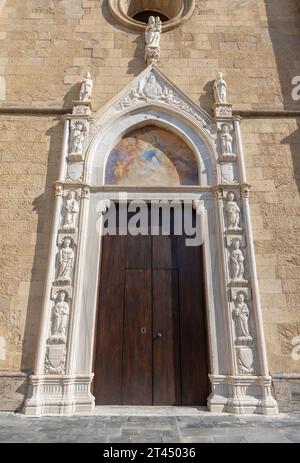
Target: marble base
x=59, y=395
x=242, y=395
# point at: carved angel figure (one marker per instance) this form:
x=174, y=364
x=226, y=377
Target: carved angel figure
x=153, y=31
x=66, y=261
x=60, y=318
x=233, y=212
x=237, y=262
x=241, y=314
x=86, y=88
x=226, y=140
x=220, y=90
x=71, y=209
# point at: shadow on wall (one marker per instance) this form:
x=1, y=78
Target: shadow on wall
x=43, y=206
x=284, y=29
x=122, y=42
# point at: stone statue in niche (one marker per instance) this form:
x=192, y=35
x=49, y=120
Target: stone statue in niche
x=65, y=261
x=71, y=209
x=237, y=263
x=86, y=88
x=226, y=141
x=241, y=314
x=232, y=212
x=220, y=90
x=78, y=136
x=60, y=319
x=152, y=38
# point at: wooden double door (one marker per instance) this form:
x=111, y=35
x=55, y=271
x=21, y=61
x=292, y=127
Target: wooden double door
x=151, y=331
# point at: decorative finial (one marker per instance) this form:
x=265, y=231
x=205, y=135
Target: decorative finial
x=152, y=38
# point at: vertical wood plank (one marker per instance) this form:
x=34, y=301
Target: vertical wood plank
x=166, y=349
x=137, y=351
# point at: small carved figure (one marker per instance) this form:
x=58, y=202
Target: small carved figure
x=241, y=314
x=71, y=210
x=86, y=88
x=153, y=31
x=152, y=90
x=237, y=263
x=220, y=90
x=152, y=38
x=233, y=212
x=78, y=136
x=66, y=261
x=60, y=318
x=226, y=141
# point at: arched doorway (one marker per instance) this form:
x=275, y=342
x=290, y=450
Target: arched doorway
x=151, y=345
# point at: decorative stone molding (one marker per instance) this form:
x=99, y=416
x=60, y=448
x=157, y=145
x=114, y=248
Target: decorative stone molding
x=153, y=87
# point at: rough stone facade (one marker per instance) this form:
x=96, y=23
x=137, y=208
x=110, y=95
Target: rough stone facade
x=46, y=46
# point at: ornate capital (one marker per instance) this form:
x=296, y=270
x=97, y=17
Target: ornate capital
x=219, y=193
x=103, y=206
x=85, y=193
x=59, y=190
x=197, y=206
x=245, y=191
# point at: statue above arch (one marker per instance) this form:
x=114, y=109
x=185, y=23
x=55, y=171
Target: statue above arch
x=151, y=156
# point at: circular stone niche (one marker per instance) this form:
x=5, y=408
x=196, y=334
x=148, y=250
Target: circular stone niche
x=135, y=13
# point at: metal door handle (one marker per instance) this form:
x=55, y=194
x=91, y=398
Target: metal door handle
x=158, y=336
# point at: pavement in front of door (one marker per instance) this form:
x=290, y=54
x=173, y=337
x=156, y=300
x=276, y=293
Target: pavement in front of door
x=143, y=425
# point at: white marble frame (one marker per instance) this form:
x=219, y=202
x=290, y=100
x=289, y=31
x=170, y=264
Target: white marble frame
x=70, y=393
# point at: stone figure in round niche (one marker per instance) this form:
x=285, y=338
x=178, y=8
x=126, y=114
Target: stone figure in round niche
x=60, y=318
x=65, y=261
x=151, y=156
x=232, y=212
x=220, y=90
x=153, y=31
x=241, y=313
